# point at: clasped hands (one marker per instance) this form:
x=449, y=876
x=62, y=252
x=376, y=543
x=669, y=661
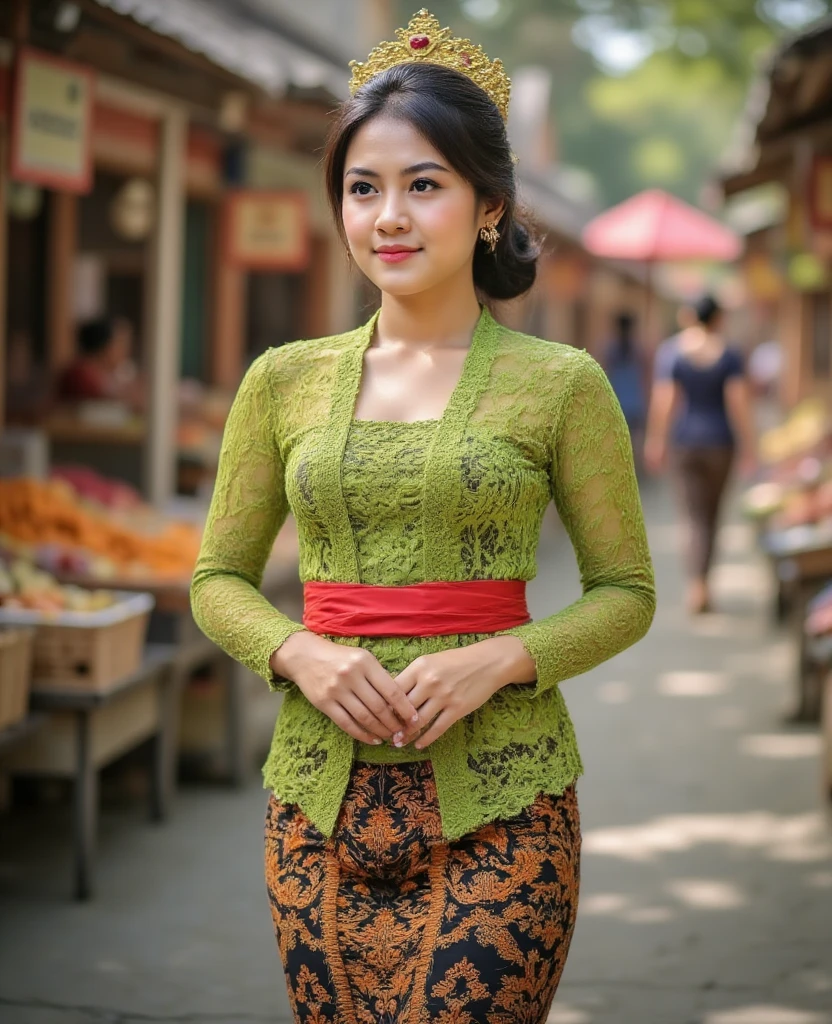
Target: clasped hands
x=350, y=686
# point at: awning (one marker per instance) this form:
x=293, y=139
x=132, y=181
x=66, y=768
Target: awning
x=243, y=45
x=791, y=98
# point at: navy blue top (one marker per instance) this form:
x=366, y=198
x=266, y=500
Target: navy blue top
x=703, y=420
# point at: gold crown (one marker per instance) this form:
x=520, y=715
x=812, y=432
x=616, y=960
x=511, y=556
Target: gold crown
x=424, y=41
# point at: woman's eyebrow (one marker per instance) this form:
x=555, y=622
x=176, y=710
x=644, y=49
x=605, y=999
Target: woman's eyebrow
x=362, y=172
x=427, y=165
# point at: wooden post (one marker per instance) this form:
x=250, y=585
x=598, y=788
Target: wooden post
x=163, y=337
x=229, y=323
x=317, y=298
x=4, y=274
x=20, y=22
x=377, y=20
x=20, y=34
x=63, y=238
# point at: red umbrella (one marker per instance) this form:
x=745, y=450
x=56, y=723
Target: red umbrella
x=654, y=226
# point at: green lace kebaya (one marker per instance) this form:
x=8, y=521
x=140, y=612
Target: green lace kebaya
x=457, y=498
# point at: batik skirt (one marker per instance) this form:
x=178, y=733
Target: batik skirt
x=388, y=923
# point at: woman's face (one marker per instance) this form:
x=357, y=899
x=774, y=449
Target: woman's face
x=411, y=221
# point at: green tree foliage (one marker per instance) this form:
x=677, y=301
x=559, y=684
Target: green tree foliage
x=644, y=93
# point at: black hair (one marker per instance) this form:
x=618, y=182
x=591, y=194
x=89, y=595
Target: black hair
x=95, y=335
x=622, y=346
x=624, y=323
x=707, y=309
x=461, y=121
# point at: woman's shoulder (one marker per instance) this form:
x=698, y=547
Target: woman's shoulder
x=285, y=361
x=555, y=356
x=734, y=357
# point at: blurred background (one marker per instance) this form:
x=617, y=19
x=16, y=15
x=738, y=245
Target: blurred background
x=162, y=223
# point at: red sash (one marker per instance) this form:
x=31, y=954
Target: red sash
x=420, y=609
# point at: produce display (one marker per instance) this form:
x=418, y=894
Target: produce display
x=793, y=504
x=805, y=429
x=819, y=617
x=47, y=522
x=23, y=585
x=89, y=485
x=797, y=489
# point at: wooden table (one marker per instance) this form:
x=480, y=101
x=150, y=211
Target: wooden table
x=172, y=624
x=820, y=651
x=14, y=734
x=86, y=731
x=802, y=570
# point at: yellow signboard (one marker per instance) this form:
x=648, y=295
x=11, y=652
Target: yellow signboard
x=52, y=130
x=267, y=230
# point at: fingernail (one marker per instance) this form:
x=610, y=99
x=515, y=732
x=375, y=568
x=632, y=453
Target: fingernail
x=377, y=742
x=418, y=746
x=397, y=737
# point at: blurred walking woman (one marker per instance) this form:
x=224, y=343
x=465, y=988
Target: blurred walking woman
x=422, y=836
x=703, y=378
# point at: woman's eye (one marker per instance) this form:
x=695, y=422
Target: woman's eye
x=424, y=185
x=361, y=188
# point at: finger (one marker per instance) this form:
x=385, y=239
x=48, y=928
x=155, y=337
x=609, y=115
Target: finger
x=359, y=711
x=347, y=724
x=392, y=693
x=443, y=722
x=429, y=710
x=373, y=700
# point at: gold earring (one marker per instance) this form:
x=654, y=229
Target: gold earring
x=490, y=235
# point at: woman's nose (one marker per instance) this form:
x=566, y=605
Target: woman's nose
x=392, y=217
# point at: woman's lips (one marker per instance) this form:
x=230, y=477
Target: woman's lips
x=398, y=256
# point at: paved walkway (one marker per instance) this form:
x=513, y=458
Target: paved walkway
x=707, y=868
x=707, y=872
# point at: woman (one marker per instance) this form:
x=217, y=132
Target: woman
x=626, y=369
x=422, y=835
x=698, y=372
x=103, y=368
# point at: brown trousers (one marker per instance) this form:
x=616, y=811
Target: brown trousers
x=701, y=474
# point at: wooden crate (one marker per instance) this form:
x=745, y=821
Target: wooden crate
x=16, y=649
x=87, y=651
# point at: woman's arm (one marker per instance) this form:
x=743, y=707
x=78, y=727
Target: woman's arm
x=247, y=509
x=595, y=490
x=741, y=416
x=662, y=403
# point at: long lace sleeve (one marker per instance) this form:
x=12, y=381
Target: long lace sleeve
x=595, y=490
x=247, y=509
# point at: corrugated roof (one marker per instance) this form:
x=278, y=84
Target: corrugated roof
x=237, y=43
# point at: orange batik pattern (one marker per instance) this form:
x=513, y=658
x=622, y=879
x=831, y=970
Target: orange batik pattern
x=387, y=923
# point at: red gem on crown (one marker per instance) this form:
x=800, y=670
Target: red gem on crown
x=419, y=42
x=465, y=58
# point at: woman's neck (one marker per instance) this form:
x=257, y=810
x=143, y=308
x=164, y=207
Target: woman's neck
x=445, y=317
x=699, y=342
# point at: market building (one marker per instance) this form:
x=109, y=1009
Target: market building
x=161, y=165
x=778, y=178
x=781, y=166
x=164, y=169
x=578, y=295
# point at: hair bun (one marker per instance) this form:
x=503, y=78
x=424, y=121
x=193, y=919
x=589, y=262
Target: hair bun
x=511, y=269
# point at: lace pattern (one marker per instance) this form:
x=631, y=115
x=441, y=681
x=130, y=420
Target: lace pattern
x=457, y=498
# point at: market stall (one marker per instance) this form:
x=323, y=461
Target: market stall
x=103, y=579
x=792, y=508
